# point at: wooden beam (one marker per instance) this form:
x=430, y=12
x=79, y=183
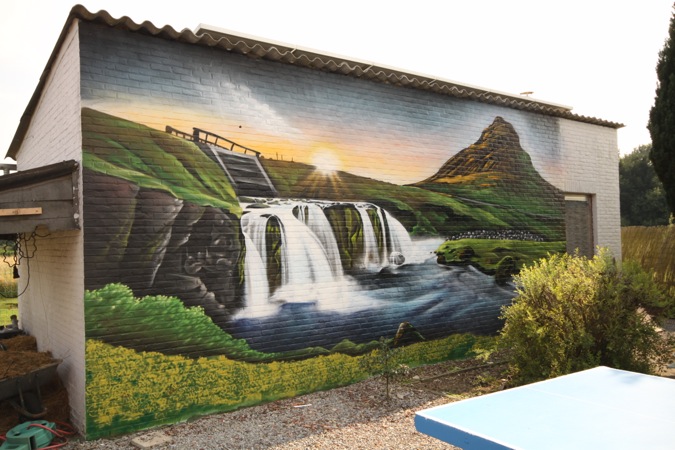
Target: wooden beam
x=20, y=211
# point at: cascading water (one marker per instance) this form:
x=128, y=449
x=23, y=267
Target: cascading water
x=372, y=259
x=307, y=284
x=313, y=216
x=256, y=287
x=309, y=255
x=399, y=239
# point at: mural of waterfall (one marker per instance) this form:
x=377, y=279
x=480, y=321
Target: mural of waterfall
x=329, y=271
x=292, y=254
x=246, y=240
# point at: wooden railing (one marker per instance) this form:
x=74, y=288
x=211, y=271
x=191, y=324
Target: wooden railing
x=211, y=138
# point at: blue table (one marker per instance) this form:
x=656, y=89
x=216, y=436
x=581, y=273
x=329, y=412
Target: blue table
x=596, y=409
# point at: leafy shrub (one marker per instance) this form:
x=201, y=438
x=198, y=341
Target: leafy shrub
x=385, y=360
x=572, y=313
x=654, y=296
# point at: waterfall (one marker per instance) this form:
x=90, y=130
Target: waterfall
x=398, y=237
x=371, y=252
x=305, y=261
x=385, y=247
x=256, y=284
x=308, y=256
x=395, y=239
x=313, y=216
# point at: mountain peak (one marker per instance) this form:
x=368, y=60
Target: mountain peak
x=497, y=151
x=499, y=136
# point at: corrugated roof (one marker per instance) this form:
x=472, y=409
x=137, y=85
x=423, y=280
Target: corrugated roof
x=284, y=53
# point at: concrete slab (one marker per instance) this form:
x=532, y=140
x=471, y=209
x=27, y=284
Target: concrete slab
x=151, y=440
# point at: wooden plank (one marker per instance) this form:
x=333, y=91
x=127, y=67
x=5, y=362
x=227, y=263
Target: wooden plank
x=57, y=198
x=20, y=211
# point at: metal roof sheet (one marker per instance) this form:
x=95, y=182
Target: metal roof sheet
x=274, y=51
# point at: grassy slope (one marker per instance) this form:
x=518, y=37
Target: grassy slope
x=486, y=253
x=421, y=211
x=8, y=306
x=155, y=160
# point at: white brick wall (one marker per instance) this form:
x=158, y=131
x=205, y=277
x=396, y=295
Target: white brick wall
x=591, y=161
x=54, y=133
x=51, y=308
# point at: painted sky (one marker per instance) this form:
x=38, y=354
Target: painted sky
x=342, y=130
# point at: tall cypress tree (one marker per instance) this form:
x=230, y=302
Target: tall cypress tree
x=662, y=118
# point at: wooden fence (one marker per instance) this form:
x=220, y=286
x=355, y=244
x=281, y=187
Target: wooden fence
x=653, y=248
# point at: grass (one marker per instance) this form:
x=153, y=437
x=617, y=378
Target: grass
x=486, y=254
x=8, y=306
x=654, y=249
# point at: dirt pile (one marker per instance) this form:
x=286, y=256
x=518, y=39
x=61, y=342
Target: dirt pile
x=20, y=359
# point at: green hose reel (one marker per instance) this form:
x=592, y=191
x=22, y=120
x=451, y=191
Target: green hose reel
x=29, y=436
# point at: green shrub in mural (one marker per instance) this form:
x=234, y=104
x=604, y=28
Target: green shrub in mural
x=128, y=390
x=151, y=321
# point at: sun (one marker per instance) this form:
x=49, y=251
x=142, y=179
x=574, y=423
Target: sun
x=326, y=161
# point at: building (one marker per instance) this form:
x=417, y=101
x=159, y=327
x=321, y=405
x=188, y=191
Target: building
x=219, y=221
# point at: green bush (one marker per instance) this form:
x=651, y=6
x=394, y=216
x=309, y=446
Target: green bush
x=572, y=313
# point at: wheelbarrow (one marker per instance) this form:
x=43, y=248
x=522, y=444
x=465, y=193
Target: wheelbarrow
x=23, y=392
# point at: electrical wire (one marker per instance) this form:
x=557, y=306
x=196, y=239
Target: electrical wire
x=60, y=434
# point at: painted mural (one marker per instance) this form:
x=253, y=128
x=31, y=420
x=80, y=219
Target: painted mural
x=227, y=265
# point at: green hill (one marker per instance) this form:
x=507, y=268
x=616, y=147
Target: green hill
x=154, y=159
x=422, y=211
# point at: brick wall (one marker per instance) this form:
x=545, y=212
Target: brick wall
x=157, y=208
x=591, y=161
x=51, y=306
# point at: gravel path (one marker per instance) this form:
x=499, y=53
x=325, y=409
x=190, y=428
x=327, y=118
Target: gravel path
x=352, y=417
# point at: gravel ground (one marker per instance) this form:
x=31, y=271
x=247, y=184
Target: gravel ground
x=352, y=417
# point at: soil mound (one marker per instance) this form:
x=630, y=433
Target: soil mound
x=20, y=359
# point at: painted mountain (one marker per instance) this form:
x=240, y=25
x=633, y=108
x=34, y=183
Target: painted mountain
x=496, y=171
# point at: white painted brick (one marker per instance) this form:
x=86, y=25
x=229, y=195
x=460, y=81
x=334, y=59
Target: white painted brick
x=52, y=306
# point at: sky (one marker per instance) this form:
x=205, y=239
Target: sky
x=596, y=56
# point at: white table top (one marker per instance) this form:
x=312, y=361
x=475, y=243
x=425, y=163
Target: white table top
x=596, y=409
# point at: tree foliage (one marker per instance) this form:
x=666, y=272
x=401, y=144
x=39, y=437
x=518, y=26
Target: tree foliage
x=643, y=201
x=662, y=118
x=572, y=313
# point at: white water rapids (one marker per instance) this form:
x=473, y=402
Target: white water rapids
x=311, y=268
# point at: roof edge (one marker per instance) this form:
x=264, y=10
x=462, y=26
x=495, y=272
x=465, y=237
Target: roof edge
x=38, y=174
x=256, y=47
x=284, y=47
